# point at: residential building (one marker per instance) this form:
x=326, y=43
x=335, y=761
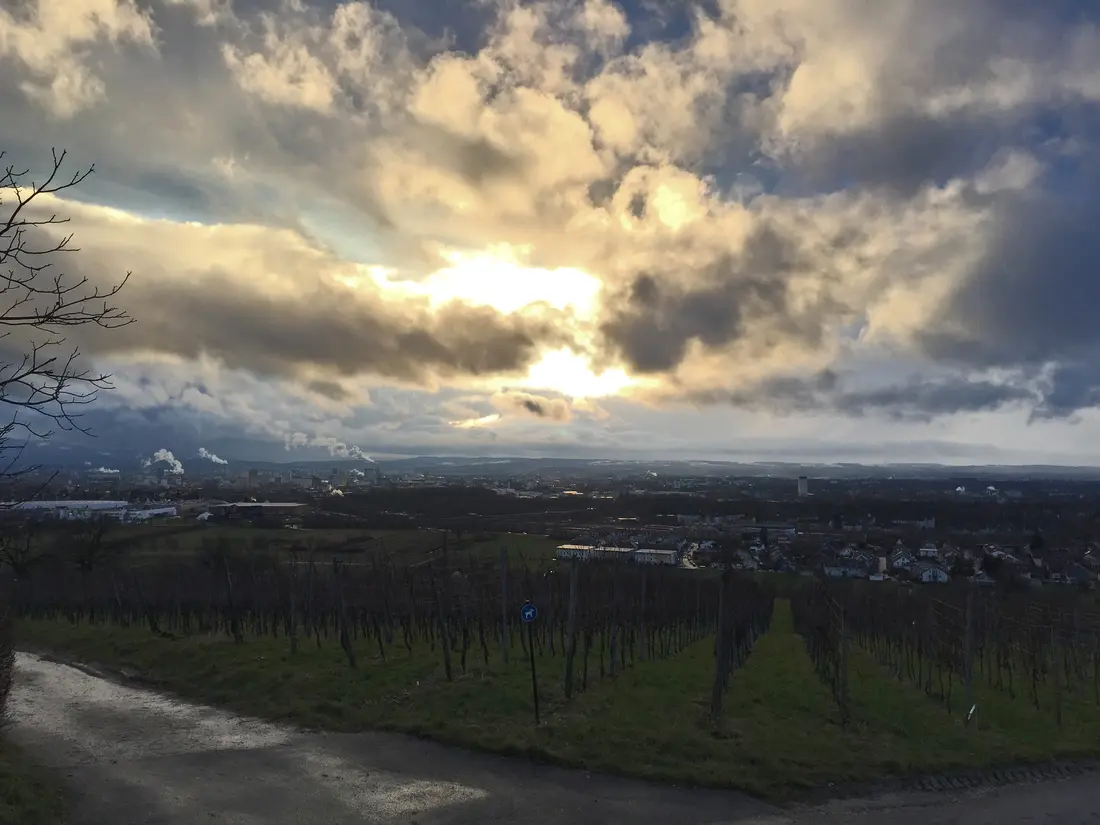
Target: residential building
x=931, y=573
x=928, y=550
x=845, y=569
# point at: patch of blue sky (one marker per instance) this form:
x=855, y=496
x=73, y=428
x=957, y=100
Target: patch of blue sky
x=349, y=234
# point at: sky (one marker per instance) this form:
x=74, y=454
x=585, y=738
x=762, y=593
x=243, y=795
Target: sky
x=819, y=230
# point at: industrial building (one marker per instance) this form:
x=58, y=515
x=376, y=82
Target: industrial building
x=634, y=555
x=70, y=510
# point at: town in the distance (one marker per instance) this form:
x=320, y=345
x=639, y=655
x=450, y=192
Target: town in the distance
x=1019, y=527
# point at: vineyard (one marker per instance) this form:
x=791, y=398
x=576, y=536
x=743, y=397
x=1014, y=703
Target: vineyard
x=958, y=646
x=658, y=672
x=594, y=620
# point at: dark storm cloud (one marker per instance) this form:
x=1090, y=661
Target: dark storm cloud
x=1068, y=388
x=328, y=389
x=658, y=318
x=908, y=151
x=329, y=329
x=919, y=399
x=924, y=400
x=1034, y=297
x=1031, y=302
x=546, y=409
x=958, y=94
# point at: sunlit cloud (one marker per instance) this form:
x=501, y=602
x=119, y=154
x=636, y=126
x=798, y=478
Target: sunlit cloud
x=582, y=218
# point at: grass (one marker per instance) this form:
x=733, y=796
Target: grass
x=28, y=795
x=148, y=543
x=780, y=733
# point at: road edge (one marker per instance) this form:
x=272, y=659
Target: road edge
x=939, y=784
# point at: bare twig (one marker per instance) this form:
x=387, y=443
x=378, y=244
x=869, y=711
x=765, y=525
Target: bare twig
x=44, y=386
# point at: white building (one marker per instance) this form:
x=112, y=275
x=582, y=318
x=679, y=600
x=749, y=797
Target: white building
x=665, y=557
x=928, y=550
x=846, y=570
x=931, y=574
x=803, y=486
x=589, y=552
x=67, y=509
x=149, y=513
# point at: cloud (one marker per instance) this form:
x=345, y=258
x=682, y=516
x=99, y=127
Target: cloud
x=211, y=457
x=550, y=409
x=921, y=398
x=105, y=471
x=765, y=193
x=237, y=293
x=46, y=39
x=1027, y=300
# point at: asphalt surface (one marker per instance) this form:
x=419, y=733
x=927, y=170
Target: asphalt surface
x=134, y=756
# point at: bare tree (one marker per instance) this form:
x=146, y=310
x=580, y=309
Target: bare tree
x=21, y=547
x=83, y=542
x=42, y=382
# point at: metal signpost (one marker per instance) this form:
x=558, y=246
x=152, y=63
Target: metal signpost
x=528, y=613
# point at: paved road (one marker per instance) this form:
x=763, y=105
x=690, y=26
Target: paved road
x=133, y=756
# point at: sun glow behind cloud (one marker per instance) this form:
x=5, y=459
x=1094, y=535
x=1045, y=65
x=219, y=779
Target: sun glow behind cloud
x=738, y=213
x=500, y=279
x=571, y=374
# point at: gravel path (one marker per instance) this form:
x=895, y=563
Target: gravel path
x=134, y=756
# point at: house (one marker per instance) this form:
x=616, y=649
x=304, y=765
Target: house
x=655, y=556
x=902, y=559
x=928, y=550
x=931, y=573
x=746, y=560
x=1079, y=575
x=842, y=569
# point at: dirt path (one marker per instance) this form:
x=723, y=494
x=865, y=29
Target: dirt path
x=134, y=756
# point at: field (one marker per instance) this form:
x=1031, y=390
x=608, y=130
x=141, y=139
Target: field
x=145, y=544
x=149, y=543
x=28, y=796
x=657, y=673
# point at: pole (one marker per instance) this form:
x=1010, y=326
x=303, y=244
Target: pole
x=504, y=604
x=534, y=679
x=969, y=662
x=721, y=651
x=571, y=629
x=1056, y=666
x=845, y=713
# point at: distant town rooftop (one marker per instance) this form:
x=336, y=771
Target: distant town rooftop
x=65, y=504
x=259, y=504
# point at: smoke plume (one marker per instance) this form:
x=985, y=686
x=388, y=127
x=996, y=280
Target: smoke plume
x=209, y=456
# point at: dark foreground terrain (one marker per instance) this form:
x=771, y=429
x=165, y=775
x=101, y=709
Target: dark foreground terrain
x=133, y=756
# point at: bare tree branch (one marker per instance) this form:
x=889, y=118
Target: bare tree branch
x=44, y=387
